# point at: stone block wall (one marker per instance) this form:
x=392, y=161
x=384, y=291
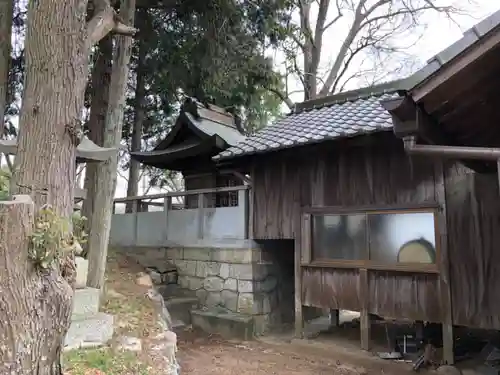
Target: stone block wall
x=234, y=280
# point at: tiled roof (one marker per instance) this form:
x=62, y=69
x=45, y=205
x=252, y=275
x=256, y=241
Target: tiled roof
x=323, y=120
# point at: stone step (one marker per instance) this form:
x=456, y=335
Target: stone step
x=85, y=302
x=226, y=324
x=180, y=308
x=90, y=331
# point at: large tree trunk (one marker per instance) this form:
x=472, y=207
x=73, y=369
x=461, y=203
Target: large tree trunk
x=36, y=302
x=139, y=114
x=106, y=175
x=6, y=14
x=101, y=78
x=39, y=302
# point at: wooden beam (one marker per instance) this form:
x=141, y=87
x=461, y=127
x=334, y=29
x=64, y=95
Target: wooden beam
x=448, y=71
x=444, y=265
x=299, y=316
x=364, y=320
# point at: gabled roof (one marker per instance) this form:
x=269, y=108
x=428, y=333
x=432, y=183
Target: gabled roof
x=201, y=130
x=339, y=116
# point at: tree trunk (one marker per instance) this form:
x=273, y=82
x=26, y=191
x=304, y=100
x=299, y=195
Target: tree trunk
x=38, y=303
x=6, y=14
x=139, y=114
x=103, y=204
x=101, y=77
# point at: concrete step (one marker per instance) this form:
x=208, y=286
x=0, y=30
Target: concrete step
x=180, y=309
x=89, y=331
x=85, y=302
x=228, y=325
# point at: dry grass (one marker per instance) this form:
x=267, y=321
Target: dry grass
x=134, y=314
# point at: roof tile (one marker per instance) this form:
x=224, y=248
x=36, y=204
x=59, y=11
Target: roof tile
x=332, y=121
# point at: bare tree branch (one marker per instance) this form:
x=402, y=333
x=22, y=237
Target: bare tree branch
x=290, y=104
x=104, y=21
x=353, y=31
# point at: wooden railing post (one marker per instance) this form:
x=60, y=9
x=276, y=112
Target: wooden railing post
x=167, y=205
x=135, y=210
x=201, y=214
x=243, y=202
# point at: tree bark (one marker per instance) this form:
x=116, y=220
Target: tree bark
x=40, y=301
x=36, y=303
x=36, y=307
x=101, y=78
x=103, y=204
x=6, y=14
x=139, y=114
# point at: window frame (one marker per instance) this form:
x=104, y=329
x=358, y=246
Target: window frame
x=307, y=238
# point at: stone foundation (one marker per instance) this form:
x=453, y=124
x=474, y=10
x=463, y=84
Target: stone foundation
x=257, y=282
x=232, y=280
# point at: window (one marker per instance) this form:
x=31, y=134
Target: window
x=375, y=237
x=338, y=237
x=228, y=198
x=402, y=238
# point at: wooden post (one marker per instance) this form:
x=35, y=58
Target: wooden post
x=167, y=205
x=243, y=201
x=444, y=266
x=135, y=210
x=364, y=320
x=302, y=246
x=334, y=318
x=201, y=214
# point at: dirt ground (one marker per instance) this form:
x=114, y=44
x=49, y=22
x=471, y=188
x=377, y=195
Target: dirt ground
x=201, y=354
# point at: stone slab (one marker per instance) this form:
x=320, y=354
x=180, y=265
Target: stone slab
x=228, y=325
x=90, y=331
x=82, y=268
x=85, y=302
x=180, y=308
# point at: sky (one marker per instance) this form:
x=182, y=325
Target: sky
x=438, y=35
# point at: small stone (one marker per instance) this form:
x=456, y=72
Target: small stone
x=195, y=283
x=231, y=284
x=155, y=277
x=205, y=269
x=202, y=294
x=246, y=303
x=82, y=267
x=213, y=284
x=213, y=299
x=129, y=343
x=224, y=270
x=230, y=300
x=245, y=286
x=143, y=279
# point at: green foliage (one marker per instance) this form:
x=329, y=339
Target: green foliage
x=4, y=184
x=213, y=50
x=54, y=237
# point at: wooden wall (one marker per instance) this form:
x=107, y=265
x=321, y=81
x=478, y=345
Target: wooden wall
x=335, y=175
x=379, y=174
x=473, y=207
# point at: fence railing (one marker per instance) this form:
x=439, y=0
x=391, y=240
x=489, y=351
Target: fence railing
x=181, y=217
